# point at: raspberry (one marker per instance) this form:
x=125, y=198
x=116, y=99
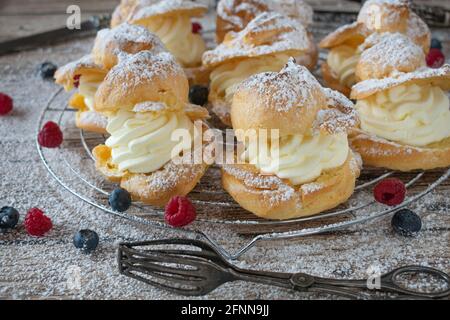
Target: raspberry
x=6, y=104
x=390, y=191
x=50, y=135
x=196, y=27
x=76, y=80
x=37, y=223
x=179, y=212
x=435, y=58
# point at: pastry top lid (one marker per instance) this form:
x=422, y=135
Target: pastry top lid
x=385, y=15
x=268, y=33
x=145, y=9
x=123, y=39
x=290, y=101
x=436, y=77
x=239, y=13
x=68, y=75
x=140, y=78
x=385, y=53
x=381, y=16
x=354, y=33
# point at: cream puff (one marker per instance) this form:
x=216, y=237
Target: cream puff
x=265, y=44
x=145, y=99
x=405, y=120
x=170, y=20
x=303, y=165
x=375, y=16
x=89, y=72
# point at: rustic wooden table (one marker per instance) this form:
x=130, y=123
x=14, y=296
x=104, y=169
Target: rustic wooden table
x=35, y=268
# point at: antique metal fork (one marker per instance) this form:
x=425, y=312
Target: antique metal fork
x=193, y=268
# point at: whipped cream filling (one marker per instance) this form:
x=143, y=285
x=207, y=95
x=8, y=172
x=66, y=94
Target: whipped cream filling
x=411, y=114
x=142, y=142
x=176, y=34
x=298, y=158
x=226, y=78
x=342, y=60
x=88, y=87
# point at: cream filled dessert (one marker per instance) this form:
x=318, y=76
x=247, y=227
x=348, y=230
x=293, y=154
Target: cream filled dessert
x=299, y=158
x=411, y=114
x=405, y=120
x=154, y=149
x=176, y=34
x=171, y=21
x=265, y=44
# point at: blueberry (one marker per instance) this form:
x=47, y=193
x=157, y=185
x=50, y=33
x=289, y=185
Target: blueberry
x=86, y=240
x=47, y=70
x=406, y=223
x=8, y=217
x=435, y=43
x=198, y=95
x=120, y=200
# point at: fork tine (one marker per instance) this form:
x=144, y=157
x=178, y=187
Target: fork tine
x=139, y=256
x=169, y=270
x=195, y=291
x=173, y=279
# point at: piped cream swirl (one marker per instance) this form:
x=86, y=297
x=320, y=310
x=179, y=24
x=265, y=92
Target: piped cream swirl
x=176, y=34
x=226, y=78
x=141, y=142
x=412, y=114
x=299, y=158
x=343, y=60
x=88, y=87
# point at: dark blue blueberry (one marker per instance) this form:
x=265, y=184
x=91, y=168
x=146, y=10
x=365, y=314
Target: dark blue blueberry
x=406, y=223
x=120, y=200
x=86, y=240
x=47, y=70
x=198, y=95
x=8, y=217
x=435, y=43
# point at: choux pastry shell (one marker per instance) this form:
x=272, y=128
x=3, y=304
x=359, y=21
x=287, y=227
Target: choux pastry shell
x=326, y=112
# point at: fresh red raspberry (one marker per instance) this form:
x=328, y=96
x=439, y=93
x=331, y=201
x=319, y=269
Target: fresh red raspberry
x=196, y=27
x=50, y=135
x=76, y=80
x=37, y=223
x=6, y=104
x=179, y=212
x=390, y=191
x=435, y=58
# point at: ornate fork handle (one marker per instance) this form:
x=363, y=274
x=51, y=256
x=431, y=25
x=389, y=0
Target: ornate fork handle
x=388, y=283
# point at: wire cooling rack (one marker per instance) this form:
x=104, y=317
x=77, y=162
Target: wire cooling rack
x=72, y=166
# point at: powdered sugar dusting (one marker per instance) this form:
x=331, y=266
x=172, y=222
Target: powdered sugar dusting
x=371, y=86
x=128, y=34
x=294, y=86
x=151, y=8
x=268, y=33
x=237, y=12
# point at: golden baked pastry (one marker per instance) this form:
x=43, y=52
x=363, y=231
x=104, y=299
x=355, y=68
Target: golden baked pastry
x=170, y=20
x=265, y=44
x=88, y=73
x=405, y=120
x=145, y=98
x=234, y=15
x=375, y=16
x=304, y=166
